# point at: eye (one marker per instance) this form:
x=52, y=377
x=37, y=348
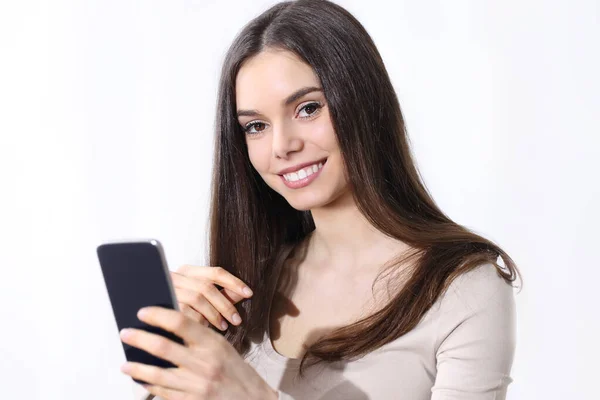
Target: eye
x=254, y=127
x=309, y=110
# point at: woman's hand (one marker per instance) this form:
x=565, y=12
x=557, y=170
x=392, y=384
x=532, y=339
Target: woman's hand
x=200, y=299
x=207, y=367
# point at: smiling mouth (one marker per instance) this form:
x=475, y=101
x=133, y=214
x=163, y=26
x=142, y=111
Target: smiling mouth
x=305, y=172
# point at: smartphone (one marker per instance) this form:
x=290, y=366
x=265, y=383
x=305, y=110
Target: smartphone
x=136, y=276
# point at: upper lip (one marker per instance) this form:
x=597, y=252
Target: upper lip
x=300, y=166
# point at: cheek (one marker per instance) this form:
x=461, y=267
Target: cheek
x=259, y=156
x=324, y=135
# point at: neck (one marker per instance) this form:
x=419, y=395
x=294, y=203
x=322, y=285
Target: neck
x=344, y=238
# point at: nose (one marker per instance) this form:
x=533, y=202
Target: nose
x=285, y=141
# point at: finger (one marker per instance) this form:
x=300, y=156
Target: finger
x=176, y=322
x=193, y=314
x=218, y=275
x=156, y=345
x=211, y=303
x=196, y=284
x=184, y=283
x=232, y=296
x=203, y=307
x=165, y=378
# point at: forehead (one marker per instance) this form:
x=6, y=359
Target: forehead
x=271, y=76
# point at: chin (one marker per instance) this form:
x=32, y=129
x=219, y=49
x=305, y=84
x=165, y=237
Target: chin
x=302, y=205
x=308, y=198
x=307, y=203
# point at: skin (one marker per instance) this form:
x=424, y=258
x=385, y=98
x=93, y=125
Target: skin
x=288, y=135
x=208, y=367
x=344, y=247
x=345, y=252
x=284, y=135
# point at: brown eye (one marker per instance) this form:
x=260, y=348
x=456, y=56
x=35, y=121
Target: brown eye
x=309, y=110
x=259, y=126
x=255, y=127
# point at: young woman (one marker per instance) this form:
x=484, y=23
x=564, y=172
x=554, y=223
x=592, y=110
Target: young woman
x=362, y=287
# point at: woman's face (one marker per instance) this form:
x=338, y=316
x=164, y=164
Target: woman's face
x=290, y=137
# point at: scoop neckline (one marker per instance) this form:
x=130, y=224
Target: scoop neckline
x=276, y=357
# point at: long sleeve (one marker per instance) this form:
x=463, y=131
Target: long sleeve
x=477, y=339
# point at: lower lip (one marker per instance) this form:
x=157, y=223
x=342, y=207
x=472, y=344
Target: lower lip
x=300, y=183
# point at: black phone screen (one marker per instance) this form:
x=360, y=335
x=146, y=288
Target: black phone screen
x=136, y=276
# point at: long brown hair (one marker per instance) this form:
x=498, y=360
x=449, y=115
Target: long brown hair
x=253, y=227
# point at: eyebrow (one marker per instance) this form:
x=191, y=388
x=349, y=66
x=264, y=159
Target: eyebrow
x=289, y=100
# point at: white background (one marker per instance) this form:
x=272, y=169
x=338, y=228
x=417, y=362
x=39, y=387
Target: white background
x=106, y=129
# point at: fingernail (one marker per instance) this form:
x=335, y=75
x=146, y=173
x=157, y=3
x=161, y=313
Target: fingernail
x=247, y=291
x=236, y=318
x=224, y=325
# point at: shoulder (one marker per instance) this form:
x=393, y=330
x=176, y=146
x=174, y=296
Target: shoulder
x=475, y=290
x=479, y=298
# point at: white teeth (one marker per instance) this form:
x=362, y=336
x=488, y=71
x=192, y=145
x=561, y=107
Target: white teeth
x=303, y=173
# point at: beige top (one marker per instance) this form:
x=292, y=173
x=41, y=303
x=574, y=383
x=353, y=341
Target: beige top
x=462, y=349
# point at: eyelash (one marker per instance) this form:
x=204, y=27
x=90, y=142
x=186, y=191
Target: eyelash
x=317, y=104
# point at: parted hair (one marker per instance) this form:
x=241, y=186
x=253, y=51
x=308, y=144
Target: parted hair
x=253, y=228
